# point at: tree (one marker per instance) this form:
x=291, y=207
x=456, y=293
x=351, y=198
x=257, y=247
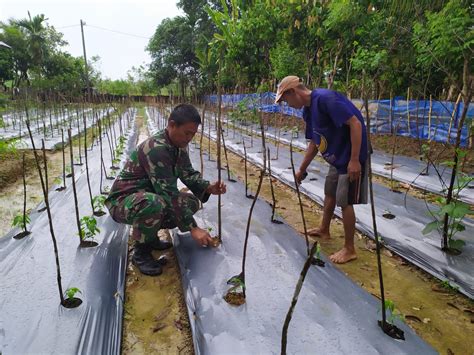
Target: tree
x=173, y=54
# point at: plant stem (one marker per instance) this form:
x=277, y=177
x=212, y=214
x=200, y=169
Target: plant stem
x=64, y=157
x=299, y=195
x=219, y=158
x=76, y=206
x=374, y=220
x=201, y=138
x=50, y=220
x=245, y=168
x=299, y=285
x=24, y=194
x=271, y=186
x=87, y=163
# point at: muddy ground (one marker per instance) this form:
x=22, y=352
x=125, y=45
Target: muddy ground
x=155, y=319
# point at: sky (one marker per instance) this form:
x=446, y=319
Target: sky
x=117, y=52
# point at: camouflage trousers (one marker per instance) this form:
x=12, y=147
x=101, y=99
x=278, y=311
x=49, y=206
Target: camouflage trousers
x=148, y=212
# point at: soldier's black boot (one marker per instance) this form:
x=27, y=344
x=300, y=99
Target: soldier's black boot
x=145, y=262
x=158, y=244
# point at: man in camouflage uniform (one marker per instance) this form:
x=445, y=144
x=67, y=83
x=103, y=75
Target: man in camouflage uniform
x=145, y=194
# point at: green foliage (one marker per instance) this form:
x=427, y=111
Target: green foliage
x=19, y=222
x=392, y=312
x=72, y=291
x=445, y=38
x=456, y=210
x=286, y=61
x=98, y=202
x=88, y=227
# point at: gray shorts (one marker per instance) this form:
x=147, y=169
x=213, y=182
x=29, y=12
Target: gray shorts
x=347, y=192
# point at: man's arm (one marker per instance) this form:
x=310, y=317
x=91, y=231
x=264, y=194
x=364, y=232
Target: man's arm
x=311, y=152
x=354, y=168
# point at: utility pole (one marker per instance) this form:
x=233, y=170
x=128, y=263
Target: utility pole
x=85, y=62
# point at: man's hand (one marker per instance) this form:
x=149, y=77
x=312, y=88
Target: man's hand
x=201, y=236
x=300, y=176
x=217, y=188
x=354, y=169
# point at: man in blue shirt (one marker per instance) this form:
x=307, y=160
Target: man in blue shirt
x=334, y=127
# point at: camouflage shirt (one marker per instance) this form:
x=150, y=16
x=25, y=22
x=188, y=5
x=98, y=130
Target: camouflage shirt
x=155, y=166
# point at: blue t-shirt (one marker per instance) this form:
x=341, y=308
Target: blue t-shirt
x=326, y=126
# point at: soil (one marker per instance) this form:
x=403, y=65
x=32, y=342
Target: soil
x=88, y=244
x=443, y=326
x=72, y=302
x=11, y=168
x=388, y=215
x=216, y=241
x=392, y=330
x=235, y=298
x=22, y=235
x=318, y=262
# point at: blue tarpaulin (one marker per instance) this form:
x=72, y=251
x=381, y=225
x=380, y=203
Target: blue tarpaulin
x=410, y=119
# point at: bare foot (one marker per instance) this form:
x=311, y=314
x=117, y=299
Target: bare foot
x=318, y=232
x=343, y=256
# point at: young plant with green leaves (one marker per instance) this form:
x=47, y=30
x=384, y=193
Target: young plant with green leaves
x=393, y=313
x=71, y=301
x=448, y=215
x=88, y=228
x=98, y=203
x=21, y=221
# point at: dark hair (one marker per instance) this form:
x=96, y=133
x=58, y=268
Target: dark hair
x=184, y=113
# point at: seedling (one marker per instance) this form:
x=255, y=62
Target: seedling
x=71, y=301
x=454, y=212
x=68, y=172
x=316, y=260
x=98, y=204
x=22, y=220
x=216, y=241
x=393, y=314
x=236, y=294
x=114, y=164
x=88, y=227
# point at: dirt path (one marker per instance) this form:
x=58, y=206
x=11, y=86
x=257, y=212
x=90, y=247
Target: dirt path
x=156, y=319
x=442, y=317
